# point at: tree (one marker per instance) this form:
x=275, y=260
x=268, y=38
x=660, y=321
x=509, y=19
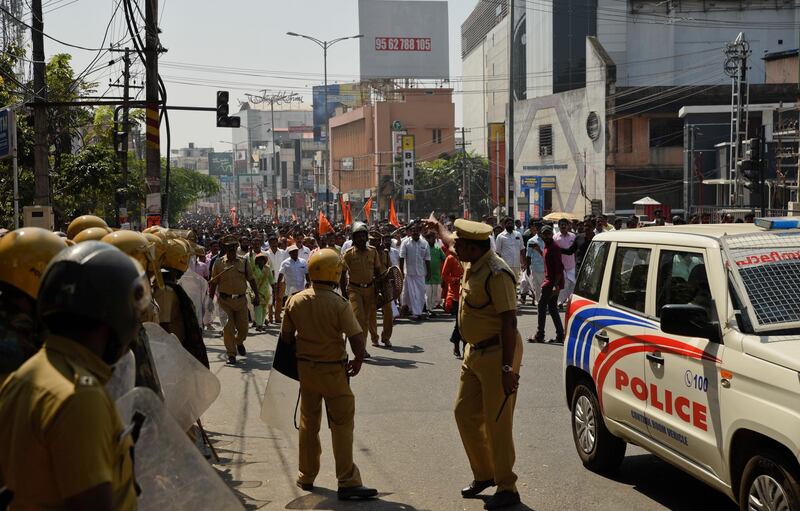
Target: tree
x=439, y=185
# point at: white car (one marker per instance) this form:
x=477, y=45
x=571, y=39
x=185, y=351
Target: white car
x=685, y=340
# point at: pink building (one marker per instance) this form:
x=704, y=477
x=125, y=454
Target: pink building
x=361, y=140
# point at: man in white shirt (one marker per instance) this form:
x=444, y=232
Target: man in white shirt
x=414, y=262
x=294, y=271
x=276, y=256
x=303, y=252
x=509, y=246
x=565, y=239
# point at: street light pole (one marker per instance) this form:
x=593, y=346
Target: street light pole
x=325, y=163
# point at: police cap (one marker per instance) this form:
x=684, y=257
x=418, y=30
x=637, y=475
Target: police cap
x=469, y=230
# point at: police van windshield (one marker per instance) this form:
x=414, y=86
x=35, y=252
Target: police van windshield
x=766, y=272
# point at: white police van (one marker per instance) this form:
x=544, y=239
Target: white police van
x=685, y=340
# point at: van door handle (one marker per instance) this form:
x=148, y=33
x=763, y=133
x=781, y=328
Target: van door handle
x=655, y=358
x=602, y=338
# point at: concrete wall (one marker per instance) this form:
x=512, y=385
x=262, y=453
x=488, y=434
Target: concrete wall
x=485, y=97
x=540, y=48
x=578, y=162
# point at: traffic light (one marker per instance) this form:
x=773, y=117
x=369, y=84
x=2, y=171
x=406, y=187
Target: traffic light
x=223, y=119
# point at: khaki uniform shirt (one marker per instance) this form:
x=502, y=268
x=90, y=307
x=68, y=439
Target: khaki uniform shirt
x=169, y=311
x=60, y=433
x=488, y=289
x=361, y=265
x=233, y=281
x=320, y=317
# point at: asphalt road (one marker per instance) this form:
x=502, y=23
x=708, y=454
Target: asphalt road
x=407, y=444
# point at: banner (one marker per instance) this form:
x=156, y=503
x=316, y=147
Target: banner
x=220, y=164
x=408, y=167
x=497, y=163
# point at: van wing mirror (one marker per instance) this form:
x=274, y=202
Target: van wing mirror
x=689, y=321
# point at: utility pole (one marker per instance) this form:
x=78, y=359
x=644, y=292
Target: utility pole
x=40, y=161
x=153, y=152
x=464, y=178
x=737, y=53
x=510, y=194
x=122, y=137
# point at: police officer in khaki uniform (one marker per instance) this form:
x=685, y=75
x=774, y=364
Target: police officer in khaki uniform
x=484, y=408
x=62, y=442
x=362, y=264
x=24, y=254
x=315, y=320
x=230, y=276
x=388, y=317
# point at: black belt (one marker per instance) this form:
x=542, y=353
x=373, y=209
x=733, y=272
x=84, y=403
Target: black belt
x=494, y=341
x=231, y=297
x=338, y=362
x=362, y=286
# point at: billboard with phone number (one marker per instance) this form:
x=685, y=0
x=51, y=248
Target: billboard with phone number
x=404, y=39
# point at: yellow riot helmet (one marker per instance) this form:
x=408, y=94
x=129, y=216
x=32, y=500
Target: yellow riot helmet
x=159, y=248
x=85, y=222
x=138, y=247
x=176, y=256
x=325, y=266
x=24, y=255
x=91, y=234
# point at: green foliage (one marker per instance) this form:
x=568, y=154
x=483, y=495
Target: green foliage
x=86, y=174
x=186, y=187
x=439, y=185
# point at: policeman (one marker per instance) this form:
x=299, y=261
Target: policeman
x=489, y=375
x=24, y=255
x=363, y=264
x=385, y=259
x=315, y=320
x=231, y=275
x=62, y=443
x=176, y=311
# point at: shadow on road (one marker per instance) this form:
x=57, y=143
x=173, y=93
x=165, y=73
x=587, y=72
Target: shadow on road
x=393, y=362
x=406, y=349
x=325, y=499
x=669, y=486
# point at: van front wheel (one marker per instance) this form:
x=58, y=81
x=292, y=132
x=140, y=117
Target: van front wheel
x=769, y=484
x=600, y=451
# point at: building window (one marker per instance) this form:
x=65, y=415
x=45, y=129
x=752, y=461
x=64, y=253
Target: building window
x=546, y=140
x=437, y=136
x=666, y=132
x=624, y=132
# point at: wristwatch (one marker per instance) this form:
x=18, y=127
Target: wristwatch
x=508, y=369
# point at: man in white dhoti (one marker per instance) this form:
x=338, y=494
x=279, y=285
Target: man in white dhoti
x=414, y=262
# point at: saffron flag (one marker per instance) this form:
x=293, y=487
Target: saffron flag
x=393, y=214
x=348, y=214
x=324, y=225
x=234, y=219
x=368, y=209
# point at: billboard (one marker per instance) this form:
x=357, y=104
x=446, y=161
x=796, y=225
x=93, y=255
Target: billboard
x=404, y=39
x=220, y=164
x=497, y=163
x=350, y=95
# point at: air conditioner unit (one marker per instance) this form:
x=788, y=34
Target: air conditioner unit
x=38, y=216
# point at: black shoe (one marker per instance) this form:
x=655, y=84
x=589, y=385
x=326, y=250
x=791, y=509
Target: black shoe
x=356, y=492
x=240, y=349
x=232, y=361
x=305, y=486
x=475, y=488
x=502, y=499
x=536, y=338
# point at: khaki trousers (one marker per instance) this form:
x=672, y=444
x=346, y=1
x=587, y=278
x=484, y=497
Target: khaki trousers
x=388, y=323
x=488, y=440
x=276, y=304
x=235, y=331
x=363, y=303
x=326, y=381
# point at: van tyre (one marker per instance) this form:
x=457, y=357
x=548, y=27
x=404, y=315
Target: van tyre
x=769, y=483
x=600, y=451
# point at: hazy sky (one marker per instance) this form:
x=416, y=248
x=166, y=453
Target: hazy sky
x=242, y=34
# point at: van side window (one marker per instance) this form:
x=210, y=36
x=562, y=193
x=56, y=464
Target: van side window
x=629, y=277
x=682, y=279
x=590, y=278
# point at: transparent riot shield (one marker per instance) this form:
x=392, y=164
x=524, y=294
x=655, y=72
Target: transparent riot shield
x=279, y=409
x=123, y=376
x=197, y=289
x=189, y=388
x=168, y=467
